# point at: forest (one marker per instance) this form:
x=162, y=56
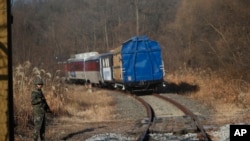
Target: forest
x=212, y=34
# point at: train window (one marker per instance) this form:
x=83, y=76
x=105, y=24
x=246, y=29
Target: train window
x=105, y=62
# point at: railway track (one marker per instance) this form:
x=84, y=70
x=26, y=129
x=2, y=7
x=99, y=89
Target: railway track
x=166, y=120
x=157, y=119
x=169, y=116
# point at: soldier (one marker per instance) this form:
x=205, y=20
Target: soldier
x=40, y=107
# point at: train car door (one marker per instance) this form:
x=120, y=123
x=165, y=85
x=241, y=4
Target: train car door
x=106, y=66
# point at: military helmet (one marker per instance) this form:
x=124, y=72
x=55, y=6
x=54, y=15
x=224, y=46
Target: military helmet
x=38, y=81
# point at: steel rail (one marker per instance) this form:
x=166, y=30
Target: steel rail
x=150, y=116
x=187, y=112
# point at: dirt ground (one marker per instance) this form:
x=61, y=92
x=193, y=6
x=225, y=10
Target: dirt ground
x=75, y=128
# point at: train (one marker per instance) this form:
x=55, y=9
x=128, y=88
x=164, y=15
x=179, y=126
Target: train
x=136, y=65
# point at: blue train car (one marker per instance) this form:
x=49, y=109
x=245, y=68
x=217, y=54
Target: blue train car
x=138, y=64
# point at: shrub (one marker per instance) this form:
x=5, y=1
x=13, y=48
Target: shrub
x=23, y=77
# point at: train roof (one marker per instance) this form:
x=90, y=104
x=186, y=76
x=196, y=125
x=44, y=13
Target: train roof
x=98, y=56
x=85, y=55
x=93, y=57
x=138, y=44
x=82, y=56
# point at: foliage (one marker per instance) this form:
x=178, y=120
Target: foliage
x=200, y=34
x=23, y=84
x=62, y=99
x=203, y=34
x=214, y=34
x=213, y=89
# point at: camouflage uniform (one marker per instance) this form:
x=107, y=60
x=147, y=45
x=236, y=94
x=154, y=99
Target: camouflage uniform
x=40, y=106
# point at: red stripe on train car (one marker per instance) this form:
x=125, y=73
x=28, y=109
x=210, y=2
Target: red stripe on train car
x=75, y=66
x=92, y=66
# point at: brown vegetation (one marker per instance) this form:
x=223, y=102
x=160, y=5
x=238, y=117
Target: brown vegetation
x=74, y=100
x=65, y=101
x=23, y=84
x=202, y=34
x=213, y=89
x=214, y=34
x=95, y=106
x=211, y=38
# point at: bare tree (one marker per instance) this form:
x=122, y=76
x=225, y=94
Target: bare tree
x=136, y=3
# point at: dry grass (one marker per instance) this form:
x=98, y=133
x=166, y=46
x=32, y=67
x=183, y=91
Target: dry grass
x=69, y=101
x=95, y=106
x=213, y=89
x=23, y=84
x=64, y=100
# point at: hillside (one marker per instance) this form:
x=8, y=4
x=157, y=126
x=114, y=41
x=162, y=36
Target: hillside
x=199, y=34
